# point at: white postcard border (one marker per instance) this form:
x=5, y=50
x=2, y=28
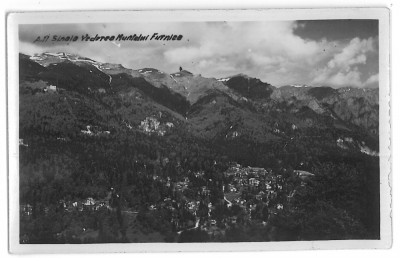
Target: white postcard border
x=14, y=19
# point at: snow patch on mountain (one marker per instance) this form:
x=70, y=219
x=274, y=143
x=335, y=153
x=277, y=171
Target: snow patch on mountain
x=172, y=77
x=299, y=86
x=223, y=79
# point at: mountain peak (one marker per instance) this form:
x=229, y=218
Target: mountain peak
x=48, y=58
x=300, y=85
x=146, y=71
x=242, y=75
x=182, y=73
x=248, y=86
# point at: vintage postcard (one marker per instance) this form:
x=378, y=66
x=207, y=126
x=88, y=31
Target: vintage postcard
x=212, y=130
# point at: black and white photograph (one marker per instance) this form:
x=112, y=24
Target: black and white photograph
x=215, y=129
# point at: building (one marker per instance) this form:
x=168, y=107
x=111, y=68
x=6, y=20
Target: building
x=50, y=88
x=254, y=182
x=87, y=131
x=205, y=191
x=21, y=143
x=89, y=202
x=260, y=195
x=26, y=209
x=303, y=174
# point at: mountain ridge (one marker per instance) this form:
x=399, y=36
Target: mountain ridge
x=47, y=58
x=180, y=91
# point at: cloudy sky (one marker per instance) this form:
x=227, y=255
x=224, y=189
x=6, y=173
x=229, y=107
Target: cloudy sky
x=332, y=53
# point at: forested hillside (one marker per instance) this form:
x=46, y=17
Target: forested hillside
x=111, y=154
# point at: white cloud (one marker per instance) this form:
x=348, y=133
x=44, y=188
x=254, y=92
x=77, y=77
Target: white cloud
x=373, y=79
x=188, y=54
x=354, y=53
x=257, y=49
x=343, y=68
x=351, y=78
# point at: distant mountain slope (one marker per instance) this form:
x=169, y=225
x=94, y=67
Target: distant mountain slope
x=28, y=69
x=359, y=107
x=210, y=105
x=249, y=87
x=83, y=78
x=196, y=86
x=191, y=86
x=162, y=94
x=62, y=114
x=321, y=93
x=217, y=115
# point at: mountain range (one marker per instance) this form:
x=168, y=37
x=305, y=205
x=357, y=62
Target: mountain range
x=111, y=96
